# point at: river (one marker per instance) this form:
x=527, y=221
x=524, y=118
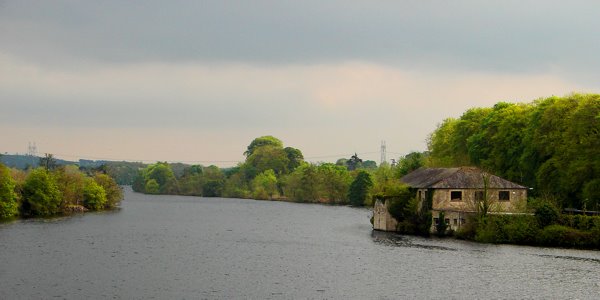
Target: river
x=175, y=247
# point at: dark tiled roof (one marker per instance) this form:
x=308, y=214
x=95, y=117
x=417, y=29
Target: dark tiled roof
x=456, y=178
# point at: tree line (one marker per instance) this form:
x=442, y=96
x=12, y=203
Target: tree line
x=270, y=171
x=52, y=189
x=551, y=145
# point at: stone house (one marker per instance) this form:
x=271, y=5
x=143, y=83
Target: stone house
x=457, y=192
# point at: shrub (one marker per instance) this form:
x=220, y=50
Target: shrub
x=41, y=194
x=546, y=214
x=441, y=226
x=114, y=194
x=563, y=236
x=94, y=196
x=9, y=206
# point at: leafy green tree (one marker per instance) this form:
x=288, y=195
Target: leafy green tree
x=9, y=205
x=295, y=158
x=114, y=193
x=409, y=163
x=214, y=182
x=94, y=196
x=269, y=158
x=152, y=187
x=70, y=182
x=48, y=162
x=334, y=182
x=162, y=173
x=551, y=144
x=264, y=185
x=360, y=187
x=236, y=186
x=591, y=194
x=302, y=184
x=354, y=162
x=41, y=194
x=261, y=142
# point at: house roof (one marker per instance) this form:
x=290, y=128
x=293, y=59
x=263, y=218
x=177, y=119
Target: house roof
x=456, y=178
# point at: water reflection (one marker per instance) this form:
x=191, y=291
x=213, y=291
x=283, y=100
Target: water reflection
x=397, y=240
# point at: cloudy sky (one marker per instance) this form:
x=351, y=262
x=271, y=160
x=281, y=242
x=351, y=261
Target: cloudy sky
x=196, y=81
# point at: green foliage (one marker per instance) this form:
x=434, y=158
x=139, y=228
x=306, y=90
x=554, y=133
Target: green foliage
x=546, y=214
x=264, y=185
x=513, y=229
x=269, y=158
x=359, y=189
x=261, y=142
x=333, y=183
x=163, y=175
x=41, y=194
x=563, y=236
x=212, y=188
x=114, y=193
x=409, y=163
x=398, y=197
x=354, y=163
x=124, y=173
x=94, y=196
x=9, y=205
x=591, y=194
x=70, y=182
x=552, y=145
x=152, y=187
x=48, y=162
x=441, y=227
x=302, y=184
x=295, y=158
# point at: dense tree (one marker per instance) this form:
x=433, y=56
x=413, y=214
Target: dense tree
x=334, y=182
x=354, y=162
x=48, y=162
x=360, y=187
x=114, y=194
x=162, y=173
x=94, y=196
x=261, y=142
x=295, y=158
x=551, y=145
x=264, y=186
x=70, y=182
x=269, y=157
x=409, y=163
x=41, y=194
x=9, y=205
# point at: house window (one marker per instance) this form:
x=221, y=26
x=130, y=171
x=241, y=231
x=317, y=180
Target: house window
x=455, y=196
x=420, y=195
x=478, y=195
x=436, y=221
x=455, y=222
x=504, y=195
x=447, y=221
x=463, y=221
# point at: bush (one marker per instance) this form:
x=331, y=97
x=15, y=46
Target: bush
x=9, y=206
x=441, y=227
x=94, y=196
x=547, y=214
x=469, y=230
x=114, y=194
x=41, y=194
x=562, y=236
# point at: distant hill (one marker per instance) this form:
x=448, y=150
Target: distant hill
x=20, y=161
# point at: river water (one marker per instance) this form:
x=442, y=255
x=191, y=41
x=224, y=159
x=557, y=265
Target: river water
x=172, y=247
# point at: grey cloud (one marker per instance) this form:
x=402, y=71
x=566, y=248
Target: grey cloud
x=524, y=36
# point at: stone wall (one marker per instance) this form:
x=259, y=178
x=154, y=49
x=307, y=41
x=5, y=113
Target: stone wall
x=442, y=199
x=382, y=220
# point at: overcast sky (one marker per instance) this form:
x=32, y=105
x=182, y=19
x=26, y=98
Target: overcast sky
x=196, y=81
